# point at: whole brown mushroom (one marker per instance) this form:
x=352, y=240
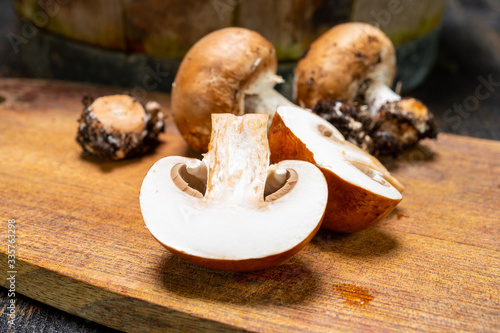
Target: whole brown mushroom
x=356, y=63
x=232, y=70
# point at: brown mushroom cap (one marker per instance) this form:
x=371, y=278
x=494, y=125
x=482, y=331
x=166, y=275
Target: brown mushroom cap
x=214, y=77
x=341, y=60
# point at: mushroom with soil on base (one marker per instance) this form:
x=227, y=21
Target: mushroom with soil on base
x=231, y=210
x=118, y=126
x=356, y=63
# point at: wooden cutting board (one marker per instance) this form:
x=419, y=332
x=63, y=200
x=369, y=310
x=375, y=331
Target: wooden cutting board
x=433, y=264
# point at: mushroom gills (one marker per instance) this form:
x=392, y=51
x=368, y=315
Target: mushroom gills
x=371, y=172
x=188, y=180
x=278, y=183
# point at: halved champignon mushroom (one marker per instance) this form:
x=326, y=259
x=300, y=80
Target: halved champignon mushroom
x=231, y=210
x=361, y=190
x=232, y=70
x=356, y=62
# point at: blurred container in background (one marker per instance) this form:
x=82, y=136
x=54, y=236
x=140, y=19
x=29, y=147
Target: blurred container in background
x=139, y=43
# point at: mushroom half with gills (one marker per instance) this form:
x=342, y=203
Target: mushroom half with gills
x=232, y=70
x=356, y=62
x=360, y=189
x=231, y=210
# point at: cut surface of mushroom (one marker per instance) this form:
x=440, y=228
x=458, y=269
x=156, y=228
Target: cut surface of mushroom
x=120, y=112
x=233, y=211
x=361, y=190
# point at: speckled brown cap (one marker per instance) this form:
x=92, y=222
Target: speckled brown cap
x=341, y=60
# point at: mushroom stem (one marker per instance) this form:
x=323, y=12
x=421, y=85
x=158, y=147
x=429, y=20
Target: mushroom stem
x=237, y=159
x=377, y=94
x=266, y=102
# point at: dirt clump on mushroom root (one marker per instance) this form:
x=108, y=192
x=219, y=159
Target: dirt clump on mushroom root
x=389, y=132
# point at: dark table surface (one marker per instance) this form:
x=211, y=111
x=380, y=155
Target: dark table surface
x=463, y=91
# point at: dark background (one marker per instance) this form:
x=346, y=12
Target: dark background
x=468, y=56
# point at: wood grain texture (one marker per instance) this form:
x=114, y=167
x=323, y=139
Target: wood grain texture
x=432, y=265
